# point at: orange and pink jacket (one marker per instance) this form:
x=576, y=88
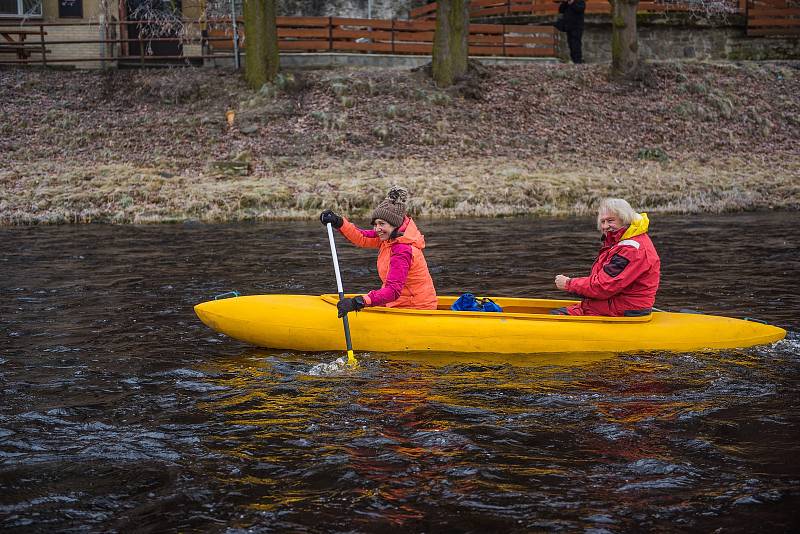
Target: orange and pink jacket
x=402, y=267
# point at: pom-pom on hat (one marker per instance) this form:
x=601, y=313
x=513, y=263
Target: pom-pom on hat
x=392, y=209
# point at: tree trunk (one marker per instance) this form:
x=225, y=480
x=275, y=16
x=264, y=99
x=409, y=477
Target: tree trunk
x=261, y=47
x=450, y=41
x=624, y=42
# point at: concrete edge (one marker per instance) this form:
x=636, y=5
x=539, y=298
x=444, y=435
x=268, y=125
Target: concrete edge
x=340, y=59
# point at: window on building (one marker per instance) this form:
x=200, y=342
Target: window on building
x=20, y=8
x=70, y=9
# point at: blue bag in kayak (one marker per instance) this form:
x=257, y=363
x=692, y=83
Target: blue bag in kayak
x=468, y=302
x=490, y=306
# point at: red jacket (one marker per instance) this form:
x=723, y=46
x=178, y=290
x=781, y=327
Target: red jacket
x=402, y=267
x=624, y=277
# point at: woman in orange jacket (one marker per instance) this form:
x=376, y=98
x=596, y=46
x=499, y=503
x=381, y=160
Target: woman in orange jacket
x=402, y=267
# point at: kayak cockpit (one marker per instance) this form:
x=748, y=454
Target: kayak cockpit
x=512, y=307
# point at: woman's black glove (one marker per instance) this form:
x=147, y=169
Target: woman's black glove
x=347, y=305
x=328, y=216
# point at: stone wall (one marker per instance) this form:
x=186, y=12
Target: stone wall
x=660, y=40
x=677, y=36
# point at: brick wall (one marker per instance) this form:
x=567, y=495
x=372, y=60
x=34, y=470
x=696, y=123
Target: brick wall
x=78, y=50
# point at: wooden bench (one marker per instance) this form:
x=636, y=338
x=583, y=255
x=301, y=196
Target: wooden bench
x=20, y=46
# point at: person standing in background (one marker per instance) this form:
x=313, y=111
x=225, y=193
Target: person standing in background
x=572, y=23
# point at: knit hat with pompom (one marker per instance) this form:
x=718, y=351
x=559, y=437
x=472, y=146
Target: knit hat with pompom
x=392, y=209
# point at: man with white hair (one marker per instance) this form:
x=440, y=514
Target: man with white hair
x=625, y=276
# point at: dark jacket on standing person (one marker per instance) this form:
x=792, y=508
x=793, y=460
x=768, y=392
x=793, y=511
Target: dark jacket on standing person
x=572, y=14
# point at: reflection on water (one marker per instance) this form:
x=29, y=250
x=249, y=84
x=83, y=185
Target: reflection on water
x=121, y=412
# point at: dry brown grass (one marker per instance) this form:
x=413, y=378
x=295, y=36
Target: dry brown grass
x=482, y=187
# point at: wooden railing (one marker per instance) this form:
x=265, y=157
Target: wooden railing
x=773, y=18
x=68, y=42
x=337, y=34
x=489, y=8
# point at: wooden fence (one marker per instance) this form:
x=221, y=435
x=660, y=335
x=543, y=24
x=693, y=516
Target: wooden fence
x=765, y=18
x=773, y=18
x=493, y=8
x=337, y=34
x=84, y=42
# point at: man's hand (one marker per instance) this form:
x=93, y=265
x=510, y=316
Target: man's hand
x=561, y=282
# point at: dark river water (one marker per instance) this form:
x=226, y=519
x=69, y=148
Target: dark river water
x=121, y=412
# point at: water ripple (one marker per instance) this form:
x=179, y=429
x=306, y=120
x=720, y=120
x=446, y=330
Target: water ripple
x=121, y=412
x=658, y=484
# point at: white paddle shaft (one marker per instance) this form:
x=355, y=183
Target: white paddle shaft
x=335, y=260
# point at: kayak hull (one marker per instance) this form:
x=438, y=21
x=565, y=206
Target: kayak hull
x=309, y=323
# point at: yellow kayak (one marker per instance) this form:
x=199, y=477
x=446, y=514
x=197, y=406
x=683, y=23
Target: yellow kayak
x=309, y=323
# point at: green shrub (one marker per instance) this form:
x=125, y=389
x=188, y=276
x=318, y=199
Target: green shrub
x=320, y=116
x=723, y=105
x=340, y=89
x=364, y=87
x=440, y=99
x=381, y=132
x=697, y=88
x=652, y=154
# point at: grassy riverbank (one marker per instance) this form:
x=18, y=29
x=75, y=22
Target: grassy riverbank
x=155, y=146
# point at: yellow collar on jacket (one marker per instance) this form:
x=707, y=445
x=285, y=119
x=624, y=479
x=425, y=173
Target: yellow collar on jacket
x=637, y=227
